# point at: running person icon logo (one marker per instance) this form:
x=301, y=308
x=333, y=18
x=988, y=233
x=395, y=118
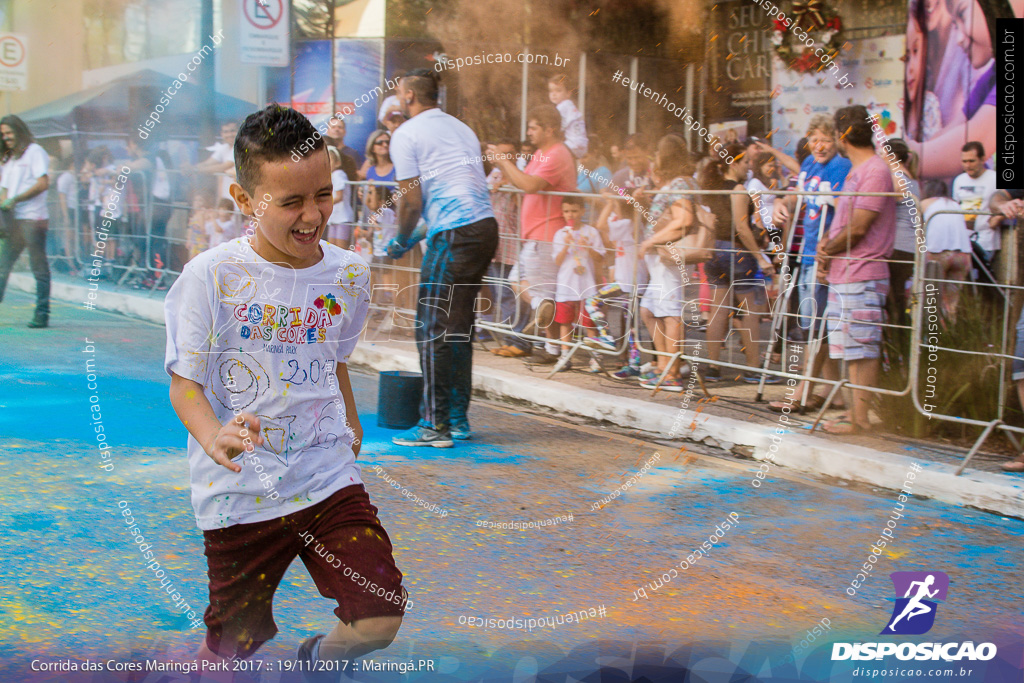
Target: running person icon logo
x=914, y=613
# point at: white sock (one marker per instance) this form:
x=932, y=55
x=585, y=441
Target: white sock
x=553, y=349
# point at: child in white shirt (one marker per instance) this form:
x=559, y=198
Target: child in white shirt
x=630, y=271
x=576, y=249
x=225, y=226
x=340, y=224
x=573, y=127
x=259, y=334
x=619, y=230
x=383, y=226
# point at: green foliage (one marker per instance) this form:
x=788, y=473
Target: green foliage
x=966, y=385
x=314, y=19
x=408, y=18
x=618, y=26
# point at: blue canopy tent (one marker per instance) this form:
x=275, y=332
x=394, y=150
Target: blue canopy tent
x=122, y=105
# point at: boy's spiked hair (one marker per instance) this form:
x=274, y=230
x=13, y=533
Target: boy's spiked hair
x=271, y=134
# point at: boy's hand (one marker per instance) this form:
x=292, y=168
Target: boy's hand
x=238, y=435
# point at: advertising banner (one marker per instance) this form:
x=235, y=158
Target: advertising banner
x=359, y=71
x=740, y=67
x=311, y=91
x=873, y=66
x=951, y=83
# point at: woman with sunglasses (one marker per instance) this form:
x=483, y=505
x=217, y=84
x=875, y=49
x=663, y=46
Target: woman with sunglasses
x=378, y=164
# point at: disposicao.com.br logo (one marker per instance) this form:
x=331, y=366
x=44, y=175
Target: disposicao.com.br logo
x=917, y=608
x=913, y=613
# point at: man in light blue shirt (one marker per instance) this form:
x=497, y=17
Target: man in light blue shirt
x=824, y=171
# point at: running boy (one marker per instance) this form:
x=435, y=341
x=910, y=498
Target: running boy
x=258, y=333
x=576, y=249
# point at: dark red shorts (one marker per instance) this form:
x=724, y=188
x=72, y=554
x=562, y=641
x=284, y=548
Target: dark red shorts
x=570, y=312
x=344, y=547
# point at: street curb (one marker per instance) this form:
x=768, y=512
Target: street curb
x=800, y=452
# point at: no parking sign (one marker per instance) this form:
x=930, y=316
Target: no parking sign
x=264, y=32
x=13, y=62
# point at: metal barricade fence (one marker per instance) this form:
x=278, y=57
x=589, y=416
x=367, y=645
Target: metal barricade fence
x=140, y=258
x=137, y=244
x=779, y=312
x=530, y=254
x=112, y=232
x=926, y=341
x=514, y=326
x=674, y=356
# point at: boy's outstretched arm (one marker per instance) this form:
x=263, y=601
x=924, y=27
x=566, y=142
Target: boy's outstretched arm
x=351, y=414
x=221, y=442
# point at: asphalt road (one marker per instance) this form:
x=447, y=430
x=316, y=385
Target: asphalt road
x=74, y=588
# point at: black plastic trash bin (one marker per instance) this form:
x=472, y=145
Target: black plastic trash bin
x=398, y=399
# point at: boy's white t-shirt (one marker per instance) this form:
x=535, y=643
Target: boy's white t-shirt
x=266, y=339
x=384, y=231
x=573, y=286
x=342, y=210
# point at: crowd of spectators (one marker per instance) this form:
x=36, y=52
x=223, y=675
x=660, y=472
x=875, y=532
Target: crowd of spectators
x=849, y=259
x=655, y=219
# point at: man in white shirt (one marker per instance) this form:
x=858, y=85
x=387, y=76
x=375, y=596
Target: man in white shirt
x=441, y=177
x=222, y=159
x=23, y=194
x=973, y=189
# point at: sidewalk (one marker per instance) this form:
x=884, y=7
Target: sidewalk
x=732, y=421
